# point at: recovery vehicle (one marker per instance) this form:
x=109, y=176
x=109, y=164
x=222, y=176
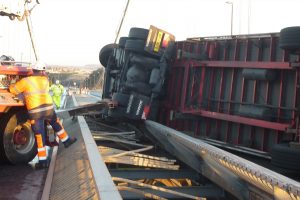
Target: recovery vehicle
x=17, y=141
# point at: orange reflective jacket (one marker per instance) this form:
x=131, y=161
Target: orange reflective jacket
x=35, y=90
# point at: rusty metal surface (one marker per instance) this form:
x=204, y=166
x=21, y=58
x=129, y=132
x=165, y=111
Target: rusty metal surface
x=21, y=182
x=73, y=178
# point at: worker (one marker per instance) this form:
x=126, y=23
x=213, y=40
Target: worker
x=57, y=91
x=35, y=89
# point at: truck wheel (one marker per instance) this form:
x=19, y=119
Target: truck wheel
x=144, y=61
x=138, y=87
x=122, y=41
x=138, y=33
x=290, y=38
x=136, y=73
x=135, y=45
x=286, y=157
x=17, y=141
x=105, y=52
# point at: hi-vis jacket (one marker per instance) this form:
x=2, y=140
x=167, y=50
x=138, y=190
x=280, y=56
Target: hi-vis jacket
x=35, y=90
x=57, y=89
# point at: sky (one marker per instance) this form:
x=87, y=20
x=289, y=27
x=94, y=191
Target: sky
x=72, y=32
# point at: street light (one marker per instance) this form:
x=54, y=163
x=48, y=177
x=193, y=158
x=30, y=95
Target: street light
x=231, y=26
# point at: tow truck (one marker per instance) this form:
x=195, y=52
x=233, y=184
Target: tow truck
x=17, y=142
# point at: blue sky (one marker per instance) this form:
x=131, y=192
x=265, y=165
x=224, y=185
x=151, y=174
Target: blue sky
x=72, y=32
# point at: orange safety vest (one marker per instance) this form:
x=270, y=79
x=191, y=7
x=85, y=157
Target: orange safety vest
x=35, y=90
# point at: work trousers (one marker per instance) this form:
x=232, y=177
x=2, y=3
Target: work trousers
x=56, y=100
x=38, y=127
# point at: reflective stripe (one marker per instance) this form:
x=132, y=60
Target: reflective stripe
x=31, y=83
x=35, y=92
x=42, y=91
x=41, y=109
x=42, y=149
x=62, y=134
x=65, y=139
x=42, y=157
x=39, y=140
x=42, y=153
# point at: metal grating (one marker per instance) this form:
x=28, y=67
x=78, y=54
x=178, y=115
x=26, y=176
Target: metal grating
x=73, y=177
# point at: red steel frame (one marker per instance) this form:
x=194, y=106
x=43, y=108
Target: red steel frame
x=221, y=89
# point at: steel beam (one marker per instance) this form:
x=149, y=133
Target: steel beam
x=153, y=174
x=209, y=191
x=238, y=176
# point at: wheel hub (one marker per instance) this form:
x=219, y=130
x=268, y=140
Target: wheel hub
x=20, y=137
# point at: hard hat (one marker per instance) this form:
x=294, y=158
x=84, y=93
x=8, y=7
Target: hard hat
x=39, y=66
x=57, y=81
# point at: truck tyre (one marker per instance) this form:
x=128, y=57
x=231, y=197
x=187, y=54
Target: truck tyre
x=105, y=52
x=135, y=45
x=290, y=38
x=285, y=157
x=17, y=140
x=144, y=61
x=122, y=41
x=138, y=87
x=121, y=98
x=136, y=73
x=154, y=77
x=138, y=33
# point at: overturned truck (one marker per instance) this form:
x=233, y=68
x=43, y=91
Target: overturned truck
x=239, y=92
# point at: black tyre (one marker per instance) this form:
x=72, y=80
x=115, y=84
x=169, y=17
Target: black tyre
x=138, y=87
x=154, y=77
x=105, y=52
x=285, y=157
x=121, y=98
x=138, y=33
x=135, y=45
x=290, y=38
x=146, y=62
x=122, y=41
x=136, y=73
x=17, y=141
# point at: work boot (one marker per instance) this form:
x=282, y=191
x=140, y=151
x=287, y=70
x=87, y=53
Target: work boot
x=70, y=141
x=42, y=164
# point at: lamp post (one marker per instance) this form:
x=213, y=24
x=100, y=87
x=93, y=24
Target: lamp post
x=231, y=25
